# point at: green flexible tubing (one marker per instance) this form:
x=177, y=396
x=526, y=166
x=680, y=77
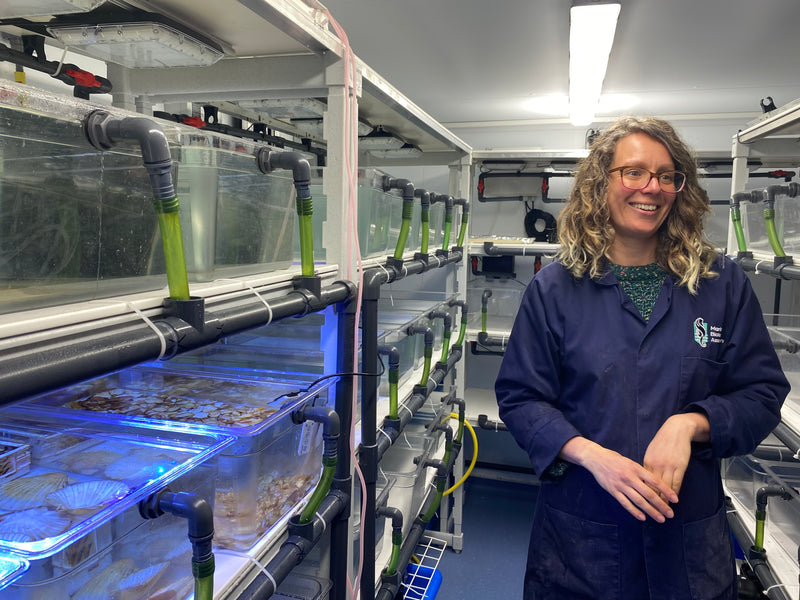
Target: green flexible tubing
x=772, y=234
x=203, y=579
x=448, y=226
x=463, y=329
x=426, y=369
x=484, y=314
x=394, y=378
x=736, y=218
x=397, y=542
x=426, y=232
x=758, y=544
x=436, y=501
x=405, y=226
x=322, y=489
x=305, y=210
x=463, y=231
x=445, y=346
x=170, y=226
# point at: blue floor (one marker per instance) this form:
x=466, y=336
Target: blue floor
x=496, y=528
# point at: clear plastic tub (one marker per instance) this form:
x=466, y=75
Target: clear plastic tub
x=263, y=474
x=302, y=587
x=410, y=479
x=81, y=495
x=501, y=307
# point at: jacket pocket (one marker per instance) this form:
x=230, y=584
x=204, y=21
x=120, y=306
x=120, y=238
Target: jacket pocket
x=708, y=553
x=699, y=378
x=576, y=558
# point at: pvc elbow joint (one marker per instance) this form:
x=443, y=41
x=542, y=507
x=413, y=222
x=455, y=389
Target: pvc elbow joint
x=393, y=353
x=445, y=316
x=395, y=514
x=390, y=183
x=426, y=330
x=268, y=160
x=463, y=203
x=485, y=298
x=320, y=414
x=104, y=130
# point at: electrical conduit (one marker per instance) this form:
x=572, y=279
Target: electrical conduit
x=103, y=131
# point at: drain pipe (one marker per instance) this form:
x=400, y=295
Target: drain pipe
x=390, y=183
x=51, y=364
x=762, y=495
x=485, y=423
x=200, y=518
x=425, y=220
x=487, y=293
x=462, y=331
x=103, y=131
x=464, y=204
x=269, y=160
x=448, y=223
x=343, y=481
x=330, y=440
x=791, y=190
x=788, y=438
x=397, y=538
x=447, y=318
x=394, y=377
x=301, y=540
x=736, y=216
x=757, y=560
x=428, y=351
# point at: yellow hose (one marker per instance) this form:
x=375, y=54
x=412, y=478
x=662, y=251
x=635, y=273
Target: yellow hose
x=474, y=456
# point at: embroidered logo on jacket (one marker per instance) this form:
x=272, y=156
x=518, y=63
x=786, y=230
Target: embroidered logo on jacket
x=704, y=333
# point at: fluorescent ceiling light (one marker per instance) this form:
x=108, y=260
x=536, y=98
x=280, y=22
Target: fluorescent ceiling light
x=558, y=106
x=42, y=8
x=591, y=35
x=137, y=44
x=404, y=151
x=380, y=139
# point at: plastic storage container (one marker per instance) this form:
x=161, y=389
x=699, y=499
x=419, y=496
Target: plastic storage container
x=383, y=487
x=235, y=219
x=79, y=500
x=410, y=479
x=302, y=587
x=784, y=331
x=501, y=308
x=787, y=225
x=263, y=474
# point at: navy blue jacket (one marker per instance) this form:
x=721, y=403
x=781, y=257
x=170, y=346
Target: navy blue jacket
x=581, y=360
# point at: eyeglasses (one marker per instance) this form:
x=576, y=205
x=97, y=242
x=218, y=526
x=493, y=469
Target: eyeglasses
x=636, y=178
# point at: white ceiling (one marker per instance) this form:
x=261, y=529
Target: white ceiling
x=479, y=61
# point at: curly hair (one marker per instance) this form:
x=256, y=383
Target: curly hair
x=586, y=233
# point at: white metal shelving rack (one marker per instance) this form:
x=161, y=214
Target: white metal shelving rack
x=273, y=49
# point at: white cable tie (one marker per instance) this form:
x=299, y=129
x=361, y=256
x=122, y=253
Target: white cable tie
x=388, y=276
x=409, y=412
x=60, y=64
x=152, y=326
x=772, y=587
x=388, y=437
x=251, y=559
x=324, y=524
x=757, y=265
x=430, y=378
x=524, y=248
x=796, y=455
x=260, y=297
x=404, y=270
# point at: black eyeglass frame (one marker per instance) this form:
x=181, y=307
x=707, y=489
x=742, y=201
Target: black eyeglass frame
x=656, y=175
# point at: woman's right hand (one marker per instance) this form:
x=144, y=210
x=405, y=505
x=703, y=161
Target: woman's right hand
x=639, y=491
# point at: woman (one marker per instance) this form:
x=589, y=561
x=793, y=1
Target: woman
x=637, y=360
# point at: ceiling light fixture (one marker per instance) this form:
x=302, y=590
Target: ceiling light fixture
x=43, y=8
x=404, y=151
x=592, y=24
x=134, y=38
x=380, y=139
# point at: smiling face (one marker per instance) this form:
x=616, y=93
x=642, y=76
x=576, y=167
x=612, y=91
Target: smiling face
x=637, y=215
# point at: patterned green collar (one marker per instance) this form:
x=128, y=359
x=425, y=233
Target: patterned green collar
x=642, y=284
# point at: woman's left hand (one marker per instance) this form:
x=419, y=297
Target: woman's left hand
x=668, y=453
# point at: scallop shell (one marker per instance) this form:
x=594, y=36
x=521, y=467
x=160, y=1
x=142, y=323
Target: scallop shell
x=91, y=461
x=29, y=492
x=174, y=590
x=136, y=585
x=99, y=586
x=87, y=495
x=38, y=523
